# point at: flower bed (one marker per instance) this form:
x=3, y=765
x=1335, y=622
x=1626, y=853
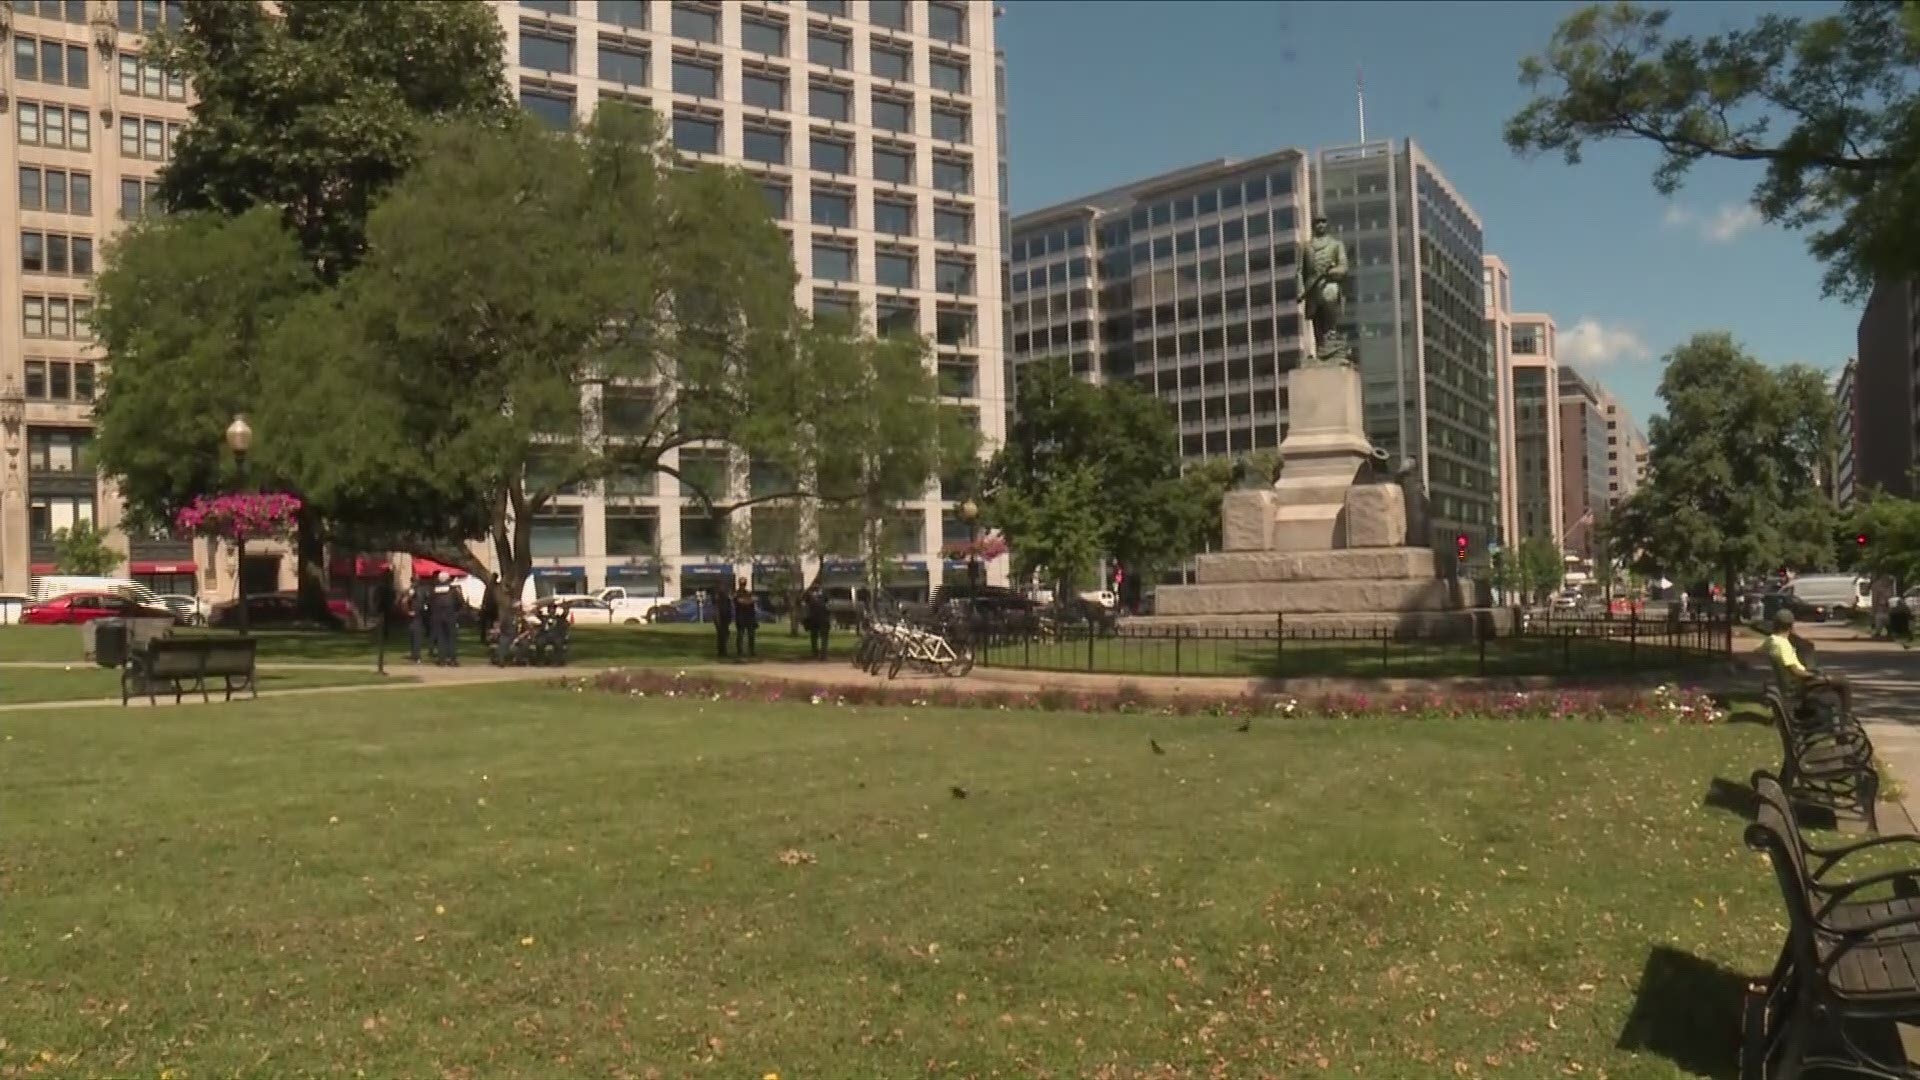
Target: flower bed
x=1664, y=703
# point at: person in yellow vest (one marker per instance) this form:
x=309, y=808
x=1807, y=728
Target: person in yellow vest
x=1782, y=650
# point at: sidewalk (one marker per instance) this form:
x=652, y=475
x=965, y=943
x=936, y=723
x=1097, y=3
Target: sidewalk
x=1886, y=695
x=405, y=676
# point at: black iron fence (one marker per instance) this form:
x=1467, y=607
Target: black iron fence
x=1560, y=646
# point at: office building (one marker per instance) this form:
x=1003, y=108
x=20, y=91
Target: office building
x=1537, y=473
x=1626, y=450
x=1583, y=462
x=1887, y=390
x=1847, y=431
x=91, y=123
x=1184, y=283
x=1187, y=283
x=1496, y=283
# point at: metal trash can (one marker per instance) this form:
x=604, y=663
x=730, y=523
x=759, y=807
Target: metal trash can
x=112, y=641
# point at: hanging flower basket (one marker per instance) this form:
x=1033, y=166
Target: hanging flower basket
x=986, y=549
x=247, y=516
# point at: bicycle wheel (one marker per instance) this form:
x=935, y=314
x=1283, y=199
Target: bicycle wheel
x=960, y=666
x=898, y=661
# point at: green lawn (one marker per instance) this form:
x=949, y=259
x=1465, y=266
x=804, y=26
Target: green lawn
x=530, y=881
x=592, y=645
x=87, y=683
x=1268, y=658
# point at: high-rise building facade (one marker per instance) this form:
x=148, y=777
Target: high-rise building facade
x=1847, y=431
x=1626, y=450
x=1583, y=462
x=1536, y=430
x=1417, y=315
x=873, y=126
x=1887, y=389
x=89, y=125
x=1497, y=285
x=1184, y=283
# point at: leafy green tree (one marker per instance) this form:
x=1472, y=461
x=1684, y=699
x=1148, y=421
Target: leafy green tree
x=1892, y=528
x=1060, y=527
x=1542, y=567
x=82, y=549
x=185, y=308
x=1828, y=104
x=1731, y=468
x=1150, y=514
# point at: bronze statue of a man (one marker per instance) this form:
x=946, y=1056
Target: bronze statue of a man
x=1323, y=292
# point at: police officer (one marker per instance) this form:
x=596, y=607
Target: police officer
x=443, y=614
x=418, y=598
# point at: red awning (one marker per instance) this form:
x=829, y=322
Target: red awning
x=44, y=567
x=425, y=567
x=162, y=568
x=360, y=566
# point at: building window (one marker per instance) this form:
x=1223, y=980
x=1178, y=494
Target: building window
x=891, y=14
x=891, y=63
x=624, y=64
x=49, y=515
x=955, y=226
x=545, y=52
x=831, y=155
x=59, y=450
x=766, y=145
x=953, y=275
x=696, y=78
x=136, y=15
x=696, y=23
x=894, y=269
x=833, y=207
x=141, y=77
x=549, y=7
x=764, y=89
x=556, y=533
x=948, y=22
x=892, y=114
x=633, y=532
x=832, y=262
x=836, y=8
x=56, y=253
x=53, y=126
x=31, y=197
x=136, y=195
x=146, y=139
x=696, y=134
x=56, y=191
x=952, y=174
x=554, y=107
x=831, y=50
x=893, y=164
x=631, y=13
x=948, y=75
x=951, y=124
x=53, y=62
x=955, y=328
x=837, y=306
x=893, y=216
x=59, y=380
x=779, y=199
x=829, y=102
x=763, y=36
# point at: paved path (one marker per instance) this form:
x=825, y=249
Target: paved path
x=404, y=676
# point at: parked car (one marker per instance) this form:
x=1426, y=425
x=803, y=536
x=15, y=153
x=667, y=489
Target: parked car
x=73, y=609
x=279, y=609
x=609, y=605
x=12, y=606
x=190, y=610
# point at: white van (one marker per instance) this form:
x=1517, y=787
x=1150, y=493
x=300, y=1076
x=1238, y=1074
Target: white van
x=46, y=588
x=1829, y=595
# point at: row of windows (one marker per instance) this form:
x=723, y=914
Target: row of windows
x=72, y=11
x=49, y=61
x=701, y=22
x=60, y=450
x=955, y=325
x=56, y=253
x=59, y=380
x=142, y=77
x=56, y=191
x=834, y=260
x=59, y=318
x=770, y=144
x=136, y=195
x=53, y=126
x=892, y=215
x=48, y=514
x=147, y=139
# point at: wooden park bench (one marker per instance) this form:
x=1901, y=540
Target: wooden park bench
x=1850, y=968
x=185, y=664
x=1826, y=759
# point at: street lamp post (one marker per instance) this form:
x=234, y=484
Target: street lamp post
x=970, y=512
x=240, y=440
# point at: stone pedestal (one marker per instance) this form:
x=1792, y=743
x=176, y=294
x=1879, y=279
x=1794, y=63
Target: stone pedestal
x=1327, y=546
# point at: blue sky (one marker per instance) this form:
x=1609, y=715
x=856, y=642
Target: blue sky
x=1102, y=93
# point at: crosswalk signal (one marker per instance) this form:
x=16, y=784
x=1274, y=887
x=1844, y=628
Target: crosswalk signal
x=1460, y=547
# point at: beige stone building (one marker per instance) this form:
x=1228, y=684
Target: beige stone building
x=875, y=127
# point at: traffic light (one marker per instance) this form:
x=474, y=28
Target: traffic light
x=1460, y=547
x=1860, y=539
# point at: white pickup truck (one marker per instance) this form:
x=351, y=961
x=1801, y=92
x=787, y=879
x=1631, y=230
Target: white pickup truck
x=611, y=606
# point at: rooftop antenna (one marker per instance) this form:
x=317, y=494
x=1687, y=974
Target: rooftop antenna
x=1360, y=97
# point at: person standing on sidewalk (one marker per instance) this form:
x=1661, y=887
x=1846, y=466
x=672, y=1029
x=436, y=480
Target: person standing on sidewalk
x=417, y=600
x=722, y=618
x=1882, y=599
x=819, y=620
x=746, y=620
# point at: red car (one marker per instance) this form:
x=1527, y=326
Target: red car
x=84, y=607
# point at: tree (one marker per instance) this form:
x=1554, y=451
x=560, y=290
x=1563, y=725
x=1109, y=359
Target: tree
x=1541, y=567
x=82, y=549
x=1892, y=528
x=1059, y=526
x=1150, y=515
x=1827, y=104
x=1731, y=468
x=447, y=381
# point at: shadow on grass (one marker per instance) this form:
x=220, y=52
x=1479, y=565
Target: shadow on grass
x=1732, y=796
x=1688, y=1011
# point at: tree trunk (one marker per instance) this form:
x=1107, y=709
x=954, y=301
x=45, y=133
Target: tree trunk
x=309, y=564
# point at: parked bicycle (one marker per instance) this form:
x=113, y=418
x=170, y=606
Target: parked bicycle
x=890, y=645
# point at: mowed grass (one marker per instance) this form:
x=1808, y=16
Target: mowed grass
x=534, y=881
x=89, y=683
x=1257, y=657
x=603, y=645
